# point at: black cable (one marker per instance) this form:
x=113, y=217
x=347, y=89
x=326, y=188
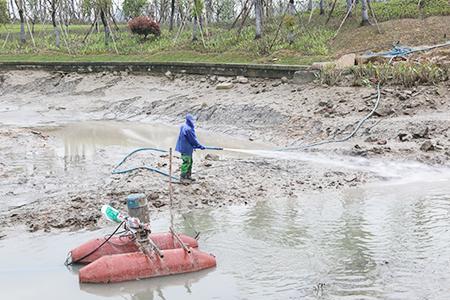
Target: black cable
x=90, y=253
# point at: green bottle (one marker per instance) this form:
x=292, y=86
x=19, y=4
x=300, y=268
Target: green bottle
x=113, y=214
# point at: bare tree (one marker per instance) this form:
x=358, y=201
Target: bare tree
x=258, y=18
x=13, y=14
x=53, y=5
x=209, y=10
x=291, y=12
x=105, y=25
x=365, y=12
x=197, y=10
x=194, y=28
x=322, y=10
x=19, y=4
x=349, y=7
x=172, y=14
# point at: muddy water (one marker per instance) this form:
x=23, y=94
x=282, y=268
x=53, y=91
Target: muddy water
x=83, y=153
x=378, y=242
x=81, y=139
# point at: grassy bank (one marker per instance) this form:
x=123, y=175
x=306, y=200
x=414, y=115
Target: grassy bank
x=173, y=56
x=313, y=41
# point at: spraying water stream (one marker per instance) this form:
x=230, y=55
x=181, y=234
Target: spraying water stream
x=405, y=171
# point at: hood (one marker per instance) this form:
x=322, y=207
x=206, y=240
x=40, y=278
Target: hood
x=190, y=120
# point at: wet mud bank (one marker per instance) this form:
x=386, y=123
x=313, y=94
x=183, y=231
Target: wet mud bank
x=62, y=133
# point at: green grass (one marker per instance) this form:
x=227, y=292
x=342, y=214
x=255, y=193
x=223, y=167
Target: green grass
x=313, y=42
x=391, y=10
x=221, y=45
x=173, y=56
x=407, y=74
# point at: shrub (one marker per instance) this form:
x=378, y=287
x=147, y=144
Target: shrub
x=407, y=74
x=133, y=8
x=144, y=26
x=4, y=15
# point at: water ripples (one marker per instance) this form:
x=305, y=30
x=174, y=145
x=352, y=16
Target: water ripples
x=360, y=244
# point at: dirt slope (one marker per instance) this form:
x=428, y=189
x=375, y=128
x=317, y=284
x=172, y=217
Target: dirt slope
x=411, y=32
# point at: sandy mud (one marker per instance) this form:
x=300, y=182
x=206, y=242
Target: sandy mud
x=62, y=134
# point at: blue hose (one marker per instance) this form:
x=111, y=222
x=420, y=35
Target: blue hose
x=115, y=171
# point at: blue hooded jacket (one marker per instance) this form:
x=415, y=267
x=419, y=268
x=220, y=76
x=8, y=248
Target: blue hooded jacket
x=187, y=139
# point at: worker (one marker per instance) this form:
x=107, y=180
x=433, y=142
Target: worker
x=186, y=144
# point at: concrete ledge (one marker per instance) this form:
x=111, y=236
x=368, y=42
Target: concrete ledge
x=248, y=70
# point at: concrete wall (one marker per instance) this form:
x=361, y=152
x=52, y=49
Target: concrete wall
x=264, y=71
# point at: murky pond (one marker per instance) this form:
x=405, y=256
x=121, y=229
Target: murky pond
x=81, y=139
x=90, y=148
x=377, y=242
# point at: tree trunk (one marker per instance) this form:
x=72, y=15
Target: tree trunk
x=172, y=14
x=258, y=19
x=365, y=13
x=291, y=12
x=209, y=10
x=269, y=8
x=195, y=29
x=105, y=26
x=55, y=27
x=310, y=5
x=72, y=10
x=162, y=11
x=19, y=4
x=13, y=13
x=349, y=7
x=322, y=10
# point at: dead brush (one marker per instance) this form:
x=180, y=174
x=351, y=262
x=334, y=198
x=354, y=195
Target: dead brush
x=406, y=74
x=145, y=26
x=330, y=75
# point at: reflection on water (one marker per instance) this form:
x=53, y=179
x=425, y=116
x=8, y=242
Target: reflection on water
x=378, y=242
x=148, y=290
x=83, y=139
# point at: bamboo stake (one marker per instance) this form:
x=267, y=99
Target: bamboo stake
x=28, y=26
x=63, y=31
x=331, y=11
x=206, y=26
x=6, y=40
x=373, y=16
x=247, y=12
x=310, y=15
x=170, y=188
x=91, y=29
x=244, y=8
x=279, y=27
x=345, y=18
x=170, y=177
x=112, y=36
x=180, y=29
x=64, y=39
x=7, y=36
x=200, y=24
x=300, y=20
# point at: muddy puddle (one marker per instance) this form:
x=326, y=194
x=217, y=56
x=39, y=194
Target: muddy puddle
x=79, y=154
x=378, y=242
x=82, y=139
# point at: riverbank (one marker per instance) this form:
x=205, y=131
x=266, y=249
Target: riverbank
x=314, y=42
x=62, y=133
